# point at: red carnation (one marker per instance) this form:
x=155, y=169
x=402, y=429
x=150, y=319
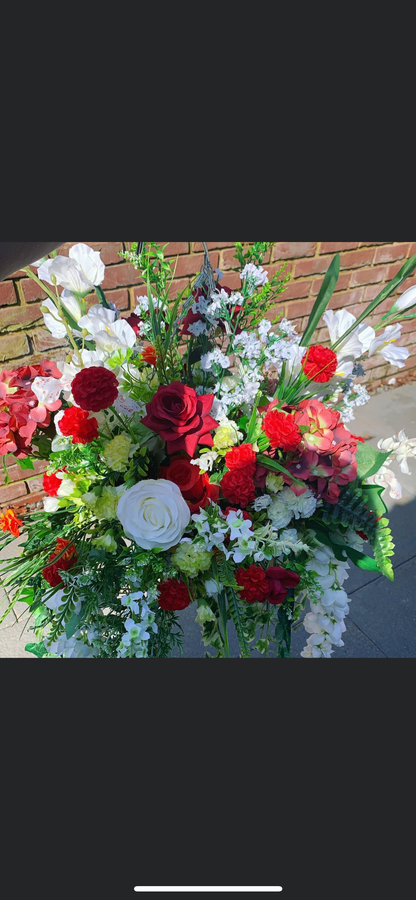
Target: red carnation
x=95, y=389
x=238, y=487
x=67, y=561
x=181, y=418
x=282, y=431
x=196, y=488
x=76, y=423
x=174, y=596
x=51, y=484
x=280, y=581
x=320, y=364
x=254, y=583
x=241, y=457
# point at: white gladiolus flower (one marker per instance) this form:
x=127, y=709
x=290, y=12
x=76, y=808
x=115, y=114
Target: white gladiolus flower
x=154, y=514
x=383, y=344
x=109, y=333
x=89, y=262
x=406, y=301
x=401, y=448
x=356, y=343
x=47, y=390
x=386, y=478
x=67, y=274
x=51, y=504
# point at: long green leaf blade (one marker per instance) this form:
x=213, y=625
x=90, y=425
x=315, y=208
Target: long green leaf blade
x=323, y=300
x=405, y=271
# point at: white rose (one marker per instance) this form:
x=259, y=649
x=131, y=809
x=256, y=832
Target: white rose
x=154, y=514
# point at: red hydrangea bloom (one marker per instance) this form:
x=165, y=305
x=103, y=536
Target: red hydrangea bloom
x=51, y=484
x=280, y=581
x=76, y=423
x=321, y=423
x=95, y=388
x=10, y=522
x=241, y=457
x=21, y=413
x=320, y=364
x=238, y=487
x=195, y=488
x=51, y=573
x=181, y=418
x=282, y=430
x=174, y=596
x=254, y=583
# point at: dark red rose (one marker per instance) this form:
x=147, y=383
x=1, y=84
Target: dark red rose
x=134, y=322
x=320, y=364
x=174, y=596
x=95, y=388
x=241, y=457
x=181, y=418
x=282, y=431
x=254, y=583
x=76, y=423
x=280, y=581
x=195, y=488
x=238, y=487
x=67, y=562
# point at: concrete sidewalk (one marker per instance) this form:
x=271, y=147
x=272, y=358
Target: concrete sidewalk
x=382, y=623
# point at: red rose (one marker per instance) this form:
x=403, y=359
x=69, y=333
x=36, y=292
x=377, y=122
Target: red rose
x=51, y=484
x=181, y=418
x=95, y=389
x=149, y=356
x=76, y=423
x=195, y=488
x=282, y=431
x=241, y=457
x=174, y=596
x=254, y=583
x=238, y=487
x=320, y=364
x=67, y=562
x=280, y=581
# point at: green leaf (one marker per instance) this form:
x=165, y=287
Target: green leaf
x=102, y=298
x=38, y=650
x=27, y=595
x=73, y=625
x=276, y=467
x=369, y=461
x=323, y=300
x=390, y=289
x=367, y=563
x=372, y=494
x=25, y=464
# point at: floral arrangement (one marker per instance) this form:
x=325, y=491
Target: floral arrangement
x=198, y=453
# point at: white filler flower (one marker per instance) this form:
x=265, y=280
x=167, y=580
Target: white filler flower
x=154, y=514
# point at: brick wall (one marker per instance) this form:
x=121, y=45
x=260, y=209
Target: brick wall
x=365, y=267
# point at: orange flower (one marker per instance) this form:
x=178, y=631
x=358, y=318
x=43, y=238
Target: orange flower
x=10, y=522
x=149, y=356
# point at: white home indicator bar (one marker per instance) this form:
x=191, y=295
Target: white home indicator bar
x=246, y=890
